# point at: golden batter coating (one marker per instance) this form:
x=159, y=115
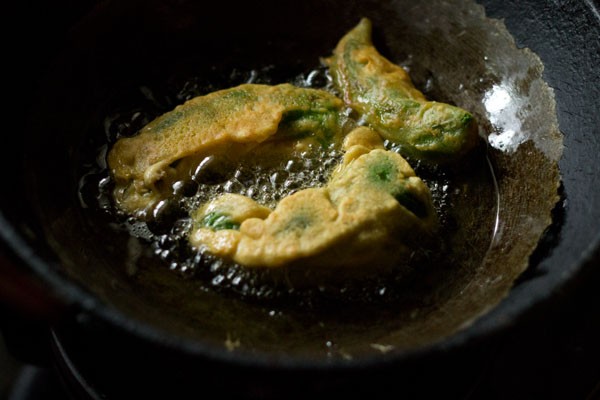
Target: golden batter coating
x=227, y=124
x=367, y=213
x=384, y=96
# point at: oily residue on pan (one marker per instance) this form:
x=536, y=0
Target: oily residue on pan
x=484, y=71
x=493, y=213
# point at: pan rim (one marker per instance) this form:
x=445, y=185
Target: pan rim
x=78, y=300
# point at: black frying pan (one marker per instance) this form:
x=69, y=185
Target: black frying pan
x=101, y=312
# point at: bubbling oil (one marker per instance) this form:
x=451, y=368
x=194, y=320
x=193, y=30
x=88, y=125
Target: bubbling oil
x=267, y=183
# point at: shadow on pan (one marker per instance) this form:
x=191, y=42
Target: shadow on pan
x=130, y=57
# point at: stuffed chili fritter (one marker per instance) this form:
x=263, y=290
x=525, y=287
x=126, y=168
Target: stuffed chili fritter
x=370, y=212
x=384, y=97
x=225, y=124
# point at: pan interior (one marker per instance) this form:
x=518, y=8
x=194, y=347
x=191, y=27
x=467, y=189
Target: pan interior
x=127, y=61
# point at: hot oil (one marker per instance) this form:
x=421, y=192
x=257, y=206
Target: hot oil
x=453, y=191
x=266, y=183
